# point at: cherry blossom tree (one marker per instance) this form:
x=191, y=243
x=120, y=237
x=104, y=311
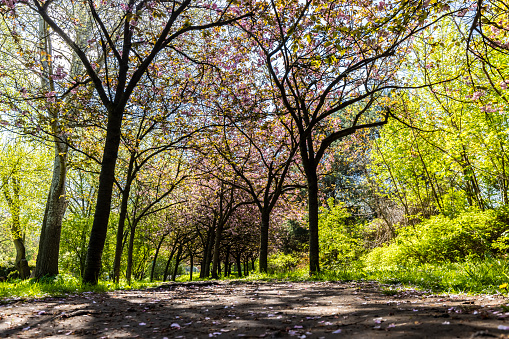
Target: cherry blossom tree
x=128, y=38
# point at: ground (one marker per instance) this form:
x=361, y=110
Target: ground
x=258, y=309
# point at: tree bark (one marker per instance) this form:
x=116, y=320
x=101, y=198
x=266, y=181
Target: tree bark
x=167, y=267
x=217, y=247
x=155, y=258
x=130, y=251
x=264, y=241
x=312, y=179
x=239, y=266
x=205, y=270
x=177, y=263
x=121, y=221
x=191, y=257
x=56, y=204
x=103, y=204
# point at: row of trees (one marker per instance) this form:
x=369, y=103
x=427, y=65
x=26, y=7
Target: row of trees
x=200, y=118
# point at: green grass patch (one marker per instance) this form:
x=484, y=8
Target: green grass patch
x=472, y=276
x=60, y=286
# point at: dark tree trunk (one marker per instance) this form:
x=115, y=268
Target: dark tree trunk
x=227, y=262
x=104, y=193
x=169, y=262
x=217, y=248
x=130, y=250
x=314, y=265
x=239, y=267
x=155, y=257
x=191, y=257
x=177, y=263
x=121, y=221
x=264, y=241
x=246, y=268
x=205, y=270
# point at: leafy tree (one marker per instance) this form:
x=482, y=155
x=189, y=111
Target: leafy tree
x=332, y=66
x=117, y=68
x=23, y=175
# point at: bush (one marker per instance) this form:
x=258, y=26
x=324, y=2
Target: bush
x=341, y=242
x=471, y=234
x=281, y=262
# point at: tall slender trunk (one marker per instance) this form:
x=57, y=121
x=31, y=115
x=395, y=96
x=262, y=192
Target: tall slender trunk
x=167, y=267
x=191, y=257
x=239, y=266
x=177, y=263
x=56, y=204
x=264, y=241
x=217, y=248
x=227, y=262
x=155, y=257
x=205, y=270
x=130, y=251
x=104, y=193
x=121, y=220
x=314, y=264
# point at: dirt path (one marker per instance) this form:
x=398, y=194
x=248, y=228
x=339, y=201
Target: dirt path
x=301, y=310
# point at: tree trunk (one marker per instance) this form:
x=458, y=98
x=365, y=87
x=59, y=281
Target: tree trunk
x=227, y=262
x=155, y=257
x=239, y=266
x=56, y=204
x=314, y=265
x=104, y=193
x=121, y=221
x=205, y=271
x=191, y=257
x=167, y=267
x=217, y=247
x=177, y=263
x=130, y=250
x=264, y=241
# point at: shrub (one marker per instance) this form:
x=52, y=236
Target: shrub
x=443, y=239
x=341, y=242
x=281, y=262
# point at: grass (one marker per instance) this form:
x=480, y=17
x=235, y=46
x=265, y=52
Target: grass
x=473, y=276
x=59, y=286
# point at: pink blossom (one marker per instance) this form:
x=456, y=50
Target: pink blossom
x=477, y=95
x=51, y=96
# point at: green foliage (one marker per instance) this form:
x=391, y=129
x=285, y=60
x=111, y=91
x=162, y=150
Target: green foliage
x=281, y=262
x=73, y=251
x=443, y=239
x=295, y=237
x=340, y=242
x=60, y=285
